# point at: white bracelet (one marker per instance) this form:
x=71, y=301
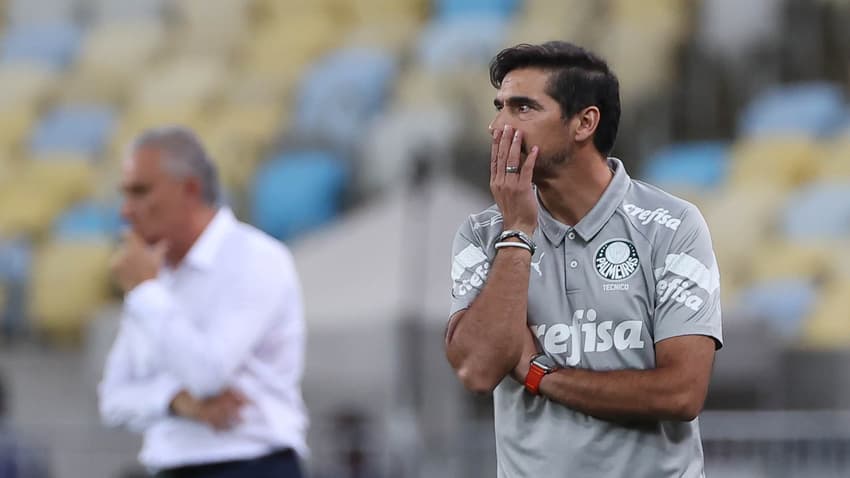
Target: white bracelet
x=521, y=245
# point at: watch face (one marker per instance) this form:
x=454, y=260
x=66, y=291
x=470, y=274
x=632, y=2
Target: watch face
x=545, y=362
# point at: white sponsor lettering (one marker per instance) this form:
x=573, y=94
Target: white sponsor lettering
x=660, y=215
x=590, y=336
x=614, y=287
x=677, y=290
x=692, y=269
x=469, y=270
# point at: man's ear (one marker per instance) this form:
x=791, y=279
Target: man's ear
x=192, y=186
x=588, y=121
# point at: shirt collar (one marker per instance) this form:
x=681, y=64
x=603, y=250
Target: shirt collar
x=593, y=221
x=203, y=252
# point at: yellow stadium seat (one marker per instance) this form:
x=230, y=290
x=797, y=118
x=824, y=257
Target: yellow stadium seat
x=187, y=81
x=739, y=220
x=780, y=259
x=137, y=120
x=415, y=87
x=786, y=162
x=395, y=36
x=828, y=326
x=381, y=12
x=115, y=55
x=282, y=48
x=251, y=87
x=70, y=281
x=24, y=86
x=238, y=139
x=835, y=162
x=206, y=30
x=15, y=126
x=39, y=190
x=544, y=20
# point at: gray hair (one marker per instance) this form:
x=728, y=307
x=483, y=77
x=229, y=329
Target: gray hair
x=184, y=156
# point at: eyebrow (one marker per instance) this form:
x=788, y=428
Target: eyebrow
x=518, y=100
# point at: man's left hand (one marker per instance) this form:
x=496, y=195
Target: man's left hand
x=136, y=261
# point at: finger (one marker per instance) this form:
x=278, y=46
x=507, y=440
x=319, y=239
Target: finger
x=502, y=154
x=527, y=171
x=512, y=160
x=160, y=249
x=495, y=136
x=240, y=397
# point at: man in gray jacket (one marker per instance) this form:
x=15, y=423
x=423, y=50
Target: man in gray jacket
x=587, y=302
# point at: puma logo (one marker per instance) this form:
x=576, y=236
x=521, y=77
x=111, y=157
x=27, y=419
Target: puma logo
x=536, y=265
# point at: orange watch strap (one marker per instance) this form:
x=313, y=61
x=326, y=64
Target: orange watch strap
x=532, y=380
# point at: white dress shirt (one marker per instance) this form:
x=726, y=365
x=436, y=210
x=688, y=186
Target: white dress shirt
x=229, y=315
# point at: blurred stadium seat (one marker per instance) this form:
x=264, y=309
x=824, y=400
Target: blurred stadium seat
x=462, y=42
x=341, y=93
x=52, y=44
x=809, y=109
x=451, y=9
x=686, y=166
x=88, y=220
x=26, y=13
x=818, y=210
x=79, y=269
x=297, y=191
x=103, y=11
x=782, y=304
x=74, y=129
x=784, y=162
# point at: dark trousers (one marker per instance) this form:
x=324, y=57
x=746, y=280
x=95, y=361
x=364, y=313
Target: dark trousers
x=282, y=464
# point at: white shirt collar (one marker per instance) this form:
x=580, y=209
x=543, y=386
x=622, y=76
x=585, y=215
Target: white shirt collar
x=203, y=252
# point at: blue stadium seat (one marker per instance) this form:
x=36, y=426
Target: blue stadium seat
x=340, y=93
x=691, y=165
x=83, y=129
x=818, y=210
x=297, y=191
x=783, y=303
x=15, y=265
x=88, y=220
x=461, y=43
x=450, y=9
x=53, y=44
x=813, y=109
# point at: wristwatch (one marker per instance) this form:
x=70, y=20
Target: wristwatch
x=541, y=365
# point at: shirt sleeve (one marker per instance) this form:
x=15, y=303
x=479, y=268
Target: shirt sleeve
x=687, y=284
x=125, y=400
x=470, y=266
x=205, y=359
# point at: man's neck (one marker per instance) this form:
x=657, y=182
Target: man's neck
x=576, y=188
x=197, y=224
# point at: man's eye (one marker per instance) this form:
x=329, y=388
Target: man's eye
x=524, y=108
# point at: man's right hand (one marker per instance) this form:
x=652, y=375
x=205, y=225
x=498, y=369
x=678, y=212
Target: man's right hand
x=513, y=191
x=220, y=412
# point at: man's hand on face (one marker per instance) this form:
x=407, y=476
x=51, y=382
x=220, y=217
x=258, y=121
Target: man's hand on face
x=510, y=182
x=135, y=262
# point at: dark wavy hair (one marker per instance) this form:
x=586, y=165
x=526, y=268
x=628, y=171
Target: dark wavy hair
x=578, y=79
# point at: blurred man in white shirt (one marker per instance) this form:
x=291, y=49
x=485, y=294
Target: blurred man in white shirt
x=209, y=357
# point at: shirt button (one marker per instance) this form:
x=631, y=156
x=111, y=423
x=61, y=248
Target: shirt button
x=573, y=264
x=571, y=235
